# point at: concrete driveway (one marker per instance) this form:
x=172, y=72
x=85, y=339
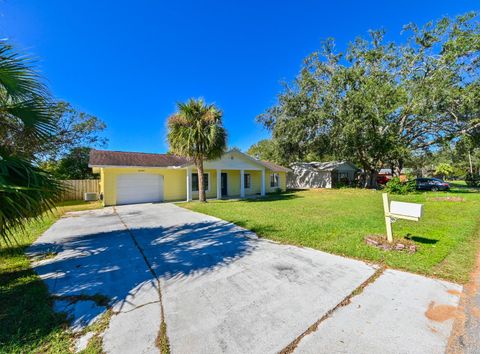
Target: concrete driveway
x=219, y=289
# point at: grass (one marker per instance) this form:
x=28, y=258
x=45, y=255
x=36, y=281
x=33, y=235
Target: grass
x=27, y=321
x=337, y=220
x=94, y=345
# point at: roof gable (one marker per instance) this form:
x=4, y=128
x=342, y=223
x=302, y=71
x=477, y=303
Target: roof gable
x=234, y=160
x=262, y=164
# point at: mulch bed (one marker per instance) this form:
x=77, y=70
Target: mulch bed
x=447, y=199
x=380, y=241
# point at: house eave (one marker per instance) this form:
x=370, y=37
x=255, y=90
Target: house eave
x=129, y=166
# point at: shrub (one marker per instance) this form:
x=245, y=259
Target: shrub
x=472, y=179
x=342, y=183
x=396, y=186
x=444, y=170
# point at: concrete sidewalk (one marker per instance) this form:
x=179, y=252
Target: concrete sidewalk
x=398, y=313
x=465, y=336
x=225, y=291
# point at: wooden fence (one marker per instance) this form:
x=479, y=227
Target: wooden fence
x=75, y=188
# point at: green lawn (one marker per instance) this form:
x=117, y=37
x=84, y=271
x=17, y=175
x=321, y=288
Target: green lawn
x=27, y=322
x=337, y=220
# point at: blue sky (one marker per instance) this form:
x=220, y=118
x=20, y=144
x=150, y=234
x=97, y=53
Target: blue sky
x=129, y=62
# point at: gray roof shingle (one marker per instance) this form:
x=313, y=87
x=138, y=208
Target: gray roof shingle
x=141, y=159
x=324, y=166
x=274, y=167
x=121, y=158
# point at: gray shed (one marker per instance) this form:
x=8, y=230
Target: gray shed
x=320, y=174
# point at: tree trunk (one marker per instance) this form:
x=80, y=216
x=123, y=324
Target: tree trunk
x=373, y=178
x=397, y=171
x=201, y=185
x=370, y=178
x=470, y=162
x=397, y=168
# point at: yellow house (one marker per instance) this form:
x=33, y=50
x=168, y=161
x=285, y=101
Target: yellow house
x=132, y=177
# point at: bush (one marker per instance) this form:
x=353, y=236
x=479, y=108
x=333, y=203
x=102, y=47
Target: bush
x=444, y=170
x=342, y=183
x=472, y=179
x=396, y=186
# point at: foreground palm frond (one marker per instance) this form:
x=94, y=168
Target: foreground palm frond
x=26, y=191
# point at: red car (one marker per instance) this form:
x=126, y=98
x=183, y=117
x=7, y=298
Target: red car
x=382, y=179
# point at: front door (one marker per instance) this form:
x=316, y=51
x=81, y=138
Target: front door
x=224, y=184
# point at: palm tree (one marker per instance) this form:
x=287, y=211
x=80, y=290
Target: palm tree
x=25, y=190
x=196, y=132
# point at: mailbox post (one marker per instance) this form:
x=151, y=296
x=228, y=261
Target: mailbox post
x=388, y=219
x=399, y=210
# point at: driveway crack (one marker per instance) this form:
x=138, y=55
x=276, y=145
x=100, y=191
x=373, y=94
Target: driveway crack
x=138, y=307
x=162, y=341
x=346, y=300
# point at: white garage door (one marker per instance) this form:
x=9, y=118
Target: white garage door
x=139, y=188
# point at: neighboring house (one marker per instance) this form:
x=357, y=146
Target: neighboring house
x=385, y=174
x=132, y=177
x=320, y=174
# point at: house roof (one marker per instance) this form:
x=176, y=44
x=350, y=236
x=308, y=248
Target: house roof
x=122, y=158
x=140, y=159
x=274, y=167
x=325, y=166
x=388, y=171
x=267, y=164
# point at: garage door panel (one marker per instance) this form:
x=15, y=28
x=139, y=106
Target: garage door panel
x=139, y=188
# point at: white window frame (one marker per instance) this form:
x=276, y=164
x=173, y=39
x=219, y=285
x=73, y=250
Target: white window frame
x=249, y=179
x=208, y=184
x=277, y=180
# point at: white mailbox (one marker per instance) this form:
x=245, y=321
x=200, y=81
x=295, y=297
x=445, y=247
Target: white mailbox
x=410, y=210
x=399, y=210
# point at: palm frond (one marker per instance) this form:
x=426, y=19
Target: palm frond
x=26, y=192
x=196, y=130
x=36, y=120
x=18, y=79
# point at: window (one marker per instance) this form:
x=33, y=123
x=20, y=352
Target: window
x=247, y=180
x=274, y=180
x=206, y=182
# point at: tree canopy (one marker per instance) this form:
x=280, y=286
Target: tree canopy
x=265, y=149
x=71, y=129
x=73, y=165
x=379, y=103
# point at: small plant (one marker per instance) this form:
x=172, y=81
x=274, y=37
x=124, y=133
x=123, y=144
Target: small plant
x=472, y=179
x=396, y=186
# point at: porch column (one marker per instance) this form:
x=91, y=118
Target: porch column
x=219, y=184
x=242, y=183
x=189, y=184
x=262, y=190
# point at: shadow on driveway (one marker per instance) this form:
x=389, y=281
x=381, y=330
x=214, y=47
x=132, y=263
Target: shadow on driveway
x=109, y=263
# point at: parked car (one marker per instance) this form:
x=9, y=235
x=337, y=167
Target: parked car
x=431, y=184
x=382, y=179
